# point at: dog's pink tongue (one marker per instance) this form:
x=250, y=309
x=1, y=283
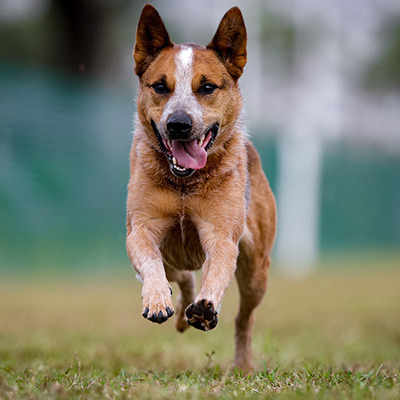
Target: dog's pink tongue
x=189, y=154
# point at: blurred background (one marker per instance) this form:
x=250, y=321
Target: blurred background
x=322, y=95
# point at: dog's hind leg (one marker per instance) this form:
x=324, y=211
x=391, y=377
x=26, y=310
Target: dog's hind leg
x=187, y=284
x=252, y=275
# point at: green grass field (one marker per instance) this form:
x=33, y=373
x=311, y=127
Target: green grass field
x=333, y=335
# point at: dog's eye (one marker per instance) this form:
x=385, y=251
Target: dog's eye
x=160, y=88
x=207, y=88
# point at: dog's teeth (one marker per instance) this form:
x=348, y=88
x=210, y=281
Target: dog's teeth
x=201, y=140
x=177, y=166
x=169, y=143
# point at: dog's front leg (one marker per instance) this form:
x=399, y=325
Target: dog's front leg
x=217, y=272
x=143, y=240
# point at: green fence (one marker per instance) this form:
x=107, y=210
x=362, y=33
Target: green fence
x=360, y=199
x=64, y=148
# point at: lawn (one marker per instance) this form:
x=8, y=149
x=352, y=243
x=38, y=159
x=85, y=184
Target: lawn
x=332, y=335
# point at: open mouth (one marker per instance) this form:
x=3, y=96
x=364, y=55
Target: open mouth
x=185, y=157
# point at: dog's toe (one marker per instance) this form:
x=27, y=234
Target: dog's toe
x=145, y=313
x=158, y=317
x=201, y=315
x=158, y=314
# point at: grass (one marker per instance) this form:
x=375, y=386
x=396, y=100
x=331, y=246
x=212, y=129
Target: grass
x=332, y=335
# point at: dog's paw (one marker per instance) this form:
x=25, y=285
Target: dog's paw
x=201, y=315
x=157, y=304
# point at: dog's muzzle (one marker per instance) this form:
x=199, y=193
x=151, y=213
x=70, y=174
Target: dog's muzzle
x=185, y=154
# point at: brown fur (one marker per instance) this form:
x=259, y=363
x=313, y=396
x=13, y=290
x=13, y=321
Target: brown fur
x=209, y=220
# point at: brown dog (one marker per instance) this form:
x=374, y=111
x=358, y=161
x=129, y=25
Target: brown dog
x=197, y=195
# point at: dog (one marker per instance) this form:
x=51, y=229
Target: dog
x=197, y=195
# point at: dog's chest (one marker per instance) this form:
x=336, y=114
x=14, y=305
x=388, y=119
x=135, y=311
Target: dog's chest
x=181, y=248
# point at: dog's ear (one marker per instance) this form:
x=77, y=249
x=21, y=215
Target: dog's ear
x=151, y=38
x=230, y=42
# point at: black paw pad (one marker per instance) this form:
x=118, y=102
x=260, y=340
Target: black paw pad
x=201, y=315
x=189, y=311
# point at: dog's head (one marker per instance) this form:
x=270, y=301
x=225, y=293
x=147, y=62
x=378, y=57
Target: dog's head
x=188, y=92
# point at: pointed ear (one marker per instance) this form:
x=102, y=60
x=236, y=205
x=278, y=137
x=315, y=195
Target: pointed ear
x=151, y=38
x=230, y=41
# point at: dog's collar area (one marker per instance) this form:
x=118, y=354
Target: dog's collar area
x=166, y=148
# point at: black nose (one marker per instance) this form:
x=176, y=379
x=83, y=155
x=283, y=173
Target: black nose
x=179, y=124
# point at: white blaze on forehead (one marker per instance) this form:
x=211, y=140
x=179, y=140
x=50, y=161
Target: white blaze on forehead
x=184, y=72
x=183, y=97
x=184, y=58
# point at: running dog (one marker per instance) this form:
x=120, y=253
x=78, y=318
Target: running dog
x=197, y=195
